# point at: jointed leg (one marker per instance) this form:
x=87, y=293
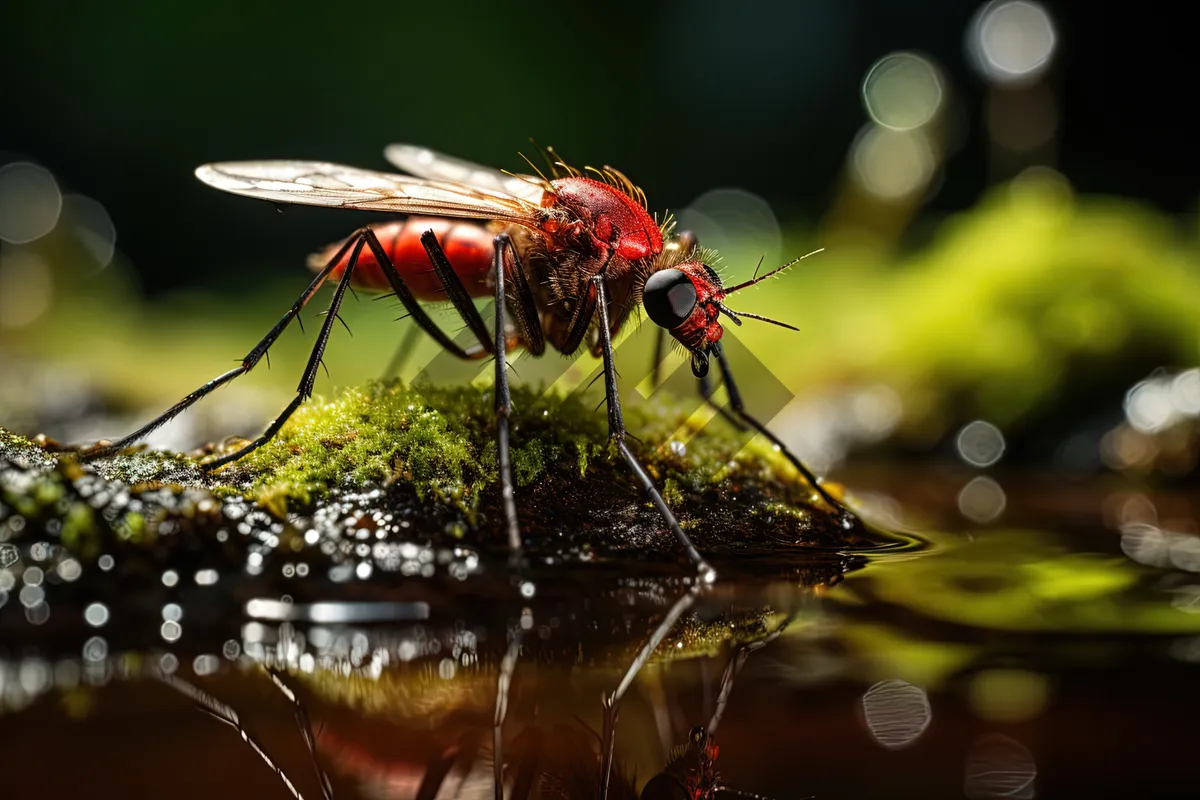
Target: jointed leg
x=847, y=517
x=407, y=298
x=612, y=703
x=224, y=713
x=504, y=404
x=502, y=245
x=309, y=378
x=252, y=358
x=733, y=668
x=306, y=731
x=503, y=683
x=616, y=432
x=706, y=391
x=456, y=293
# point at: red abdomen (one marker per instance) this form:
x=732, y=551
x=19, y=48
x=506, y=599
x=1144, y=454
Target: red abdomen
x=467, y=245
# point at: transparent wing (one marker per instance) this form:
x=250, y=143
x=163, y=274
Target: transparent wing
x=317, y=183
x=426, y=163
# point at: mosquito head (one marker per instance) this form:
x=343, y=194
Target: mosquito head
x=689, y=301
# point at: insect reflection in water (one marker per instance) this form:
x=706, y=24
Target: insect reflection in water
x=567, y=760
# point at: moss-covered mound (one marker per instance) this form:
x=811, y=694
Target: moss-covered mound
x=422, y=465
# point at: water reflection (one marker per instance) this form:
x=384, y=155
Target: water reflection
x=994, y=662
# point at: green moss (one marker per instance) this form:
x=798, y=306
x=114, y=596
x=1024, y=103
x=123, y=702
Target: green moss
x=441, y=442
x=379, y=434
x=21, y=450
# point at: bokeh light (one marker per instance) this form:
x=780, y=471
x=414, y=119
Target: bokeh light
x=93, y=227
x=896, y=713
x=903, y=91
x=1011, y=41
x=891, y=164
x=30, y=202
x=980, y=443
x=999, y=766
x=727, y=219
x=982, y=500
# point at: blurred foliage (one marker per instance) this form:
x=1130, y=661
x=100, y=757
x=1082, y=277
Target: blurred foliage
x=1035, y=304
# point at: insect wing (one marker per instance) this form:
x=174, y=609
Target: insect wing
x=426, y=163
x=318, y=183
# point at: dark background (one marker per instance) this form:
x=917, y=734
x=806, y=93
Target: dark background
x=122, y=100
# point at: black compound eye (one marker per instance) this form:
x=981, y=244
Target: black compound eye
x=669, y=297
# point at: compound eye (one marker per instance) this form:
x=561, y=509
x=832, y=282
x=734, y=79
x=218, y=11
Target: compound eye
x=669, y=297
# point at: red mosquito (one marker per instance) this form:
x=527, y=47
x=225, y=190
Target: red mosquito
x=567, y=257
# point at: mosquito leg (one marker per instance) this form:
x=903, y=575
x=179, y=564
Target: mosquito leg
x=581, y=319
x=706, y=391
x=503, y=244
x=524, y=306
x=306, y=731
x=847, y=517
x=252, y=358
x=406, y=297
x=612, y=703
x=733, y=668
x=504, y=406
x=503, y=683
x=456, y=293
x=305, y=387
x=223, y=713
x=616, y=432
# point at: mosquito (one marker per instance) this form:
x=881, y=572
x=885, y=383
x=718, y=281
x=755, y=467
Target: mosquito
x=567, y=254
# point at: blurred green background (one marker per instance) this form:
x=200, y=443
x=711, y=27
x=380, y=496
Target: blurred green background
x=1004, y=191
